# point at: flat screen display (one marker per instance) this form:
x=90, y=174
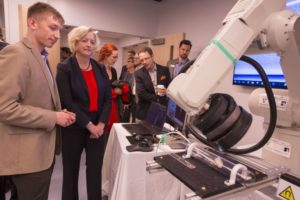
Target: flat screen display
x=175, y=115
x=245, y=74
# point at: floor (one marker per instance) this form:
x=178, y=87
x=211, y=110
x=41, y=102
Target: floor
x=56, y=181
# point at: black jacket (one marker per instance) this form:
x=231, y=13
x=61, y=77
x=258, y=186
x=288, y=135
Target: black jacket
x=145, y=90
x=74, y=94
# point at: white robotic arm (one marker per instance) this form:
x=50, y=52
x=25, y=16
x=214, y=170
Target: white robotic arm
x=277, y=28
x=283, y=36
x=242, y=24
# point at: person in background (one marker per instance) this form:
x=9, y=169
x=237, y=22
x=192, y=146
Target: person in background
x=176, y=64
x=85, y=90
x=137, y=62
x=130, y=53
x=2, y=41
x=147, y=79
x=30, y=110
x=129, y=110
x=65, y=53
x=108, y=56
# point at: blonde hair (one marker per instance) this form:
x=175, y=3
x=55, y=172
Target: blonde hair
x=78, y=33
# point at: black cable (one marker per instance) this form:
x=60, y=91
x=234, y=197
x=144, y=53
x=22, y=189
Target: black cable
x=272, y=105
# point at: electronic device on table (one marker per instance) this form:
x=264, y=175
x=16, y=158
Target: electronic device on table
x=152, y=125
x=176, y=116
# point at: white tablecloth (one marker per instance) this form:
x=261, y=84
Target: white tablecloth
x=124, y=174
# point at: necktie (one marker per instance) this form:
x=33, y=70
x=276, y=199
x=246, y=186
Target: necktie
x=44, y=54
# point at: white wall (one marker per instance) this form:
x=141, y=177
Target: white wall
x=200, y=20
x=132, y=17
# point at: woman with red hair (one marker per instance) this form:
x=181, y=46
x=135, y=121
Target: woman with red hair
x=108, y=56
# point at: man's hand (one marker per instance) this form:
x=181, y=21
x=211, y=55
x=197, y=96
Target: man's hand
x=65, y=118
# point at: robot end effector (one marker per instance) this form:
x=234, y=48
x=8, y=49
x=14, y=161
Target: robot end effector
x=215, y=62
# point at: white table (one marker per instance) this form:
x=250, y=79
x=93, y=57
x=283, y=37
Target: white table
x=124, y=174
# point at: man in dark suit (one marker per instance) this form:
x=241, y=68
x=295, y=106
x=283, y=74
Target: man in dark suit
x=151, y=83
x=175, y=65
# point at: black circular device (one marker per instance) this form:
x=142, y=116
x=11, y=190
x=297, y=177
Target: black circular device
x=237, y=131
x=225, y=123
x=217, y=107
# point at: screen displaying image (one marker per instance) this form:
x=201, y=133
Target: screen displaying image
x=176, y=115
x=245, y=74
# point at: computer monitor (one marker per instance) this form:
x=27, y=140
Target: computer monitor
x=245, y=74
x=175, y=115
x=156, y=116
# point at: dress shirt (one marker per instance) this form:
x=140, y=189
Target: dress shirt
x=178, y=66
x=153, y=74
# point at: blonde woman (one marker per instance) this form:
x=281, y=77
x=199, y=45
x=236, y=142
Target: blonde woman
x=85, y=90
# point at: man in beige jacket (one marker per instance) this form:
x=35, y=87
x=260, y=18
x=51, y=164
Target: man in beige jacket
x=30, y=106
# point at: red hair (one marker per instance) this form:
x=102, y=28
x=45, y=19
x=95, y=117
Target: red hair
x=106, y=50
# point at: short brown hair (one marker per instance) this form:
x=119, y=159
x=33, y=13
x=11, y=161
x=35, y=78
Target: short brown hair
x=146, y=49
x=41, y=8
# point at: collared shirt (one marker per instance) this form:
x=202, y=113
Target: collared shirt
x=178, y=66
x=153, y=74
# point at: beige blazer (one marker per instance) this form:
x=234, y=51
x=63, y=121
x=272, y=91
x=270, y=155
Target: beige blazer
x=28, y=101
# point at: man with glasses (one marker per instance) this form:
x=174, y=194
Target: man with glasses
x=151, y=83
x=137, y=62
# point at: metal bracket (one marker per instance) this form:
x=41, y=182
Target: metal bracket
x=234, y=174
x=153, y=167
